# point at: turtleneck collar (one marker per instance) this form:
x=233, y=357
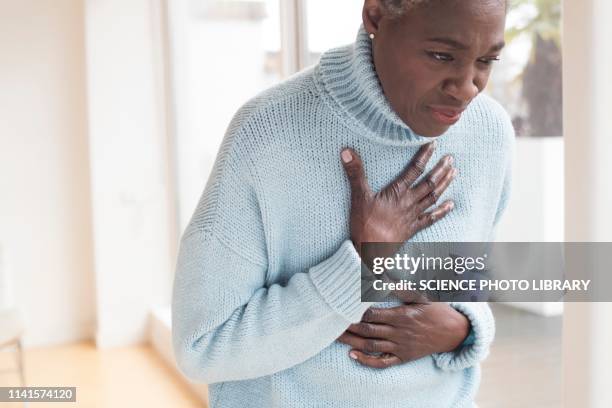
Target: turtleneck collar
x=348, y=76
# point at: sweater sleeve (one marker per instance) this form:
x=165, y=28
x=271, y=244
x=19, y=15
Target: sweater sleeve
x=483, y=331
x=476, y=347
x=228, y=321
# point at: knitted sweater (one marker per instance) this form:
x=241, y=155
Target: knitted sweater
x=267, y=278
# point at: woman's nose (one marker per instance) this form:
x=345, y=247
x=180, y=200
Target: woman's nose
x=463, y=87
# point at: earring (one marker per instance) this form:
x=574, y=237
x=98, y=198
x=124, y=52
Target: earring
x=371, y=36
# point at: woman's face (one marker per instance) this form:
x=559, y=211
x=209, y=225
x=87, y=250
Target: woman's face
x=436, y=58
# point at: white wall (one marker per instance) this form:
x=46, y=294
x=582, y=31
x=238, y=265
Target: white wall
x=132, y=212
x=587, y=327
x=86, y=218
x=44, y=179
x=535, y=211
x=204, y=104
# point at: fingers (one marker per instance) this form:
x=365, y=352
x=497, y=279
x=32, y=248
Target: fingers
x=410, y=296
x=433, y=197
x=434, y=178
x=384, y=316
x=372, y=330
x=353, y=167
x=414, y=170
x=428, y=218
x=382, y=361
x=367, y=345
x=379, y=315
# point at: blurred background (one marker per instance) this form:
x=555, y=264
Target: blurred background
x=111, y=115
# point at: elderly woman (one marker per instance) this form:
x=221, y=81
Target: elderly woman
x=266, y=302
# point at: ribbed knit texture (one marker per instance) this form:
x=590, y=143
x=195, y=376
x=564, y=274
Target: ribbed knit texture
x=267, y=278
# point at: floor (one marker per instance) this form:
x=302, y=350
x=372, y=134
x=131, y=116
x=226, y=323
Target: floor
x=524, y=367
x=523, y=370
x=123, y=377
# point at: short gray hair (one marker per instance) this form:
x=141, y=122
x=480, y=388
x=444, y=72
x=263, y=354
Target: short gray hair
x=397, y=8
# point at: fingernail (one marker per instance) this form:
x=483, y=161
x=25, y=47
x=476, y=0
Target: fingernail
x=353, y=355
x=455, y=171
x=346, y=156
x=451, y=205
x=449, y=159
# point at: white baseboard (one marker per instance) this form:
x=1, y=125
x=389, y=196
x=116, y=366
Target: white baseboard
x=118, y=338
x=546, y=309
x=52, y=336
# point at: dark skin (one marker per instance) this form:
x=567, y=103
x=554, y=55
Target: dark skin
x=431, y=62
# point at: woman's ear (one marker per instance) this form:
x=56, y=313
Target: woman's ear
x=372, y=13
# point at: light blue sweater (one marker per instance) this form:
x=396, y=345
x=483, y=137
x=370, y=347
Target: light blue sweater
x=267, y=278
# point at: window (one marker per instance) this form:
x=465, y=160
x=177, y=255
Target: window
x=330, y=24
x=528, y=79
x=216, y=43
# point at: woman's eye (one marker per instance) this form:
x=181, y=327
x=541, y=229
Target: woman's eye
x=440, y=56
x=489, y=60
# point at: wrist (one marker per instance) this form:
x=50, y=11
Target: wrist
x=461, y=328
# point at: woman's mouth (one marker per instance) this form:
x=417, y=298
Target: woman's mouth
x=446, y=116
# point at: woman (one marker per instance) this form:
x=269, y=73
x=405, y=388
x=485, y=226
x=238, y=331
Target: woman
x=266, y=302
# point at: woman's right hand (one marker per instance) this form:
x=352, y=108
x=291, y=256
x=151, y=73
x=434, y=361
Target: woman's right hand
x=397, y=212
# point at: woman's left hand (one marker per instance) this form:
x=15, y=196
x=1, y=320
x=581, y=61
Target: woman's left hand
x=405, y=333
